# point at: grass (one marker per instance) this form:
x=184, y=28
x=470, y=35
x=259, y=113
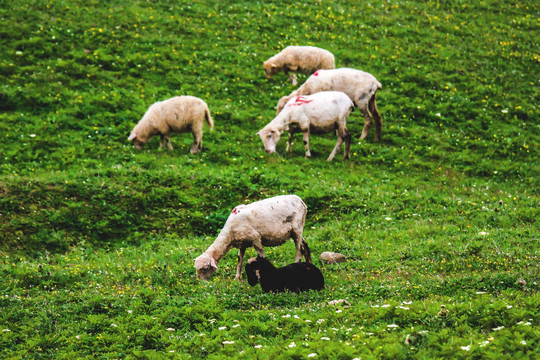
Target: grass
x=97, y=239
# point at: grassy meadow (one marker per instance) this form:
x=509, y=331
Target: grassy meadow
x=438, y=220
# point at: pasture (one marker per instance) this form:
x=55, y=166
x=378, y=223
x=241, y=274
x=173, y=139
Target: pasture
x=438, y=220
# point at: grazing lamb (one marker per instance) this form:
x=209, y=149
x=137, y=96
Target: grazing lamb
x=177, y=114
x=304, y=59
x=269, y=222
x=318, y=114
x=360, y=86
x=300, y=276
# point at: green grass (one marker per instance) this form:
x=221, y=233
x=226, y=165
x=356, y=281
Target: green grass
x=97, y=239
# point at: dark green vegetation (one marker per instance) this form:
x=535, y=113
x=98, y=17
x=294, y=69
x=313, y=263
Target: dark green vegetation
x=97, y=239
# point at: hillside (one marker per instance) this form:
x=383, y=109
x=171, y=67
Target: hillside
x=98, y=238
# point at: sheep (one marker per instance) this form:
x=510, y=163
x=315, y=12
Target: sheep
x=300, y=276
x=360, y=86
x=293, y=59
x=177, y=114
x=318, y=113
x=268, y=222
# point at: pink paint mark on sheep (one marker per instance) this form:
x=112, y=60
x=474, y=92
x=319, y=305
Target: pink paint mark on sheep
x=300, y=100
x=235, y=211
x=317, y=73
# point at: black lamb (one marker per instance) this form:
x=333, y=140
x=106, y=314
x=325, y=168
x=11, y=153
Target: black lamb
x=300, y=276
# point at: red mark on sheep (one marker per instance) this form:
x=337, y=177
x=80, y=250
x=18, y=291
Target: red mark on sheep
x=300, y=100
x=235, y=211
x=316, y=73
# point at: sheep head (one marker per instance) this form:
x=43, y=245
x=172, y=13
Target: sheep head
x=270, y=137
x=270, y=69
x=252, y=272
x=206, y=266
x=137, y=141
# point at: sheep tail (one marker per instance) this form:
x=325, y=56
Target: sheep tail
x=306, y=251
x=209, y=119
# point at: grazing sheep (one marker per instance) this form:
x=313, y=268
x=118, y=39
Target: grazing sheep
x=304, y=59
x=360, y=86
x=269, y=222
x=299, y=276
x=177, y=114
x=318, y=114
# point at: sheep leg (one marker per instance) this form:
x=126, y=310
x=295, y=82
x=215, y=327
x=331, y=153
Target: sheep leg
x=289, y=143
x=347, y=145
x=306, y=251
x=306, y=143
x=336, y=148
x=292, y=77
x=367, y=123
x=169, y=144
x=378, y=120
x=162, y=141
x=197, y=142
x=301, y=246
x=241, y=253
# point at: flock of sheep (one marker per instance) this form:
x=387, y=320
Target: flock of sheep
x=322, y=104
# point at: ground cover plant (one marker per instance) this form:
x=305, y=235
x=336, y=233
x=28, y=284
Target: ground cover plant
x=438, y=220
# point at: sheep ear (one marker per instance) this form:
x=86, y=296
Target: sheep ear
x=132, y=136
x=213, y=263
x=273, y=66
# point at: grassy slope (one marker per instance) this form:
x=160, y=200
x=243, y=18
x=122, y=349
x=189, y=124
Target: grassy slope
x=98, y=238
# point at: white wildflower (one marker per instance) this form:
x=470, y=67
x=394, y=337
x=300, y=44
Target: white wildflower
x=228, y=342
x=523, y=342
x=235, y=326
x=312, y=355
x=170, y=329
x=508, y=306
x=286, y=316
x=222, y=328
x=291, y=345
x=407, y=302
x=6, y=330
x=114, y=325
x=498, y=328
x=466, y=348
x=258, y=346
x=392, y=326
x=385, y=305
x=325, y=338
x=403, y=307
x=387, y=218
x=320, y=321
x=483, y=233
x=483, y=343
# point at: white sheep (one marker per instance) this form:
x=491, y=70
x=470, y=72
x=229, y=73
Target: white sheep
x=294, y=59
x=318, y=114
x=360, y=86
x=269, y=222
x=177, y=114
